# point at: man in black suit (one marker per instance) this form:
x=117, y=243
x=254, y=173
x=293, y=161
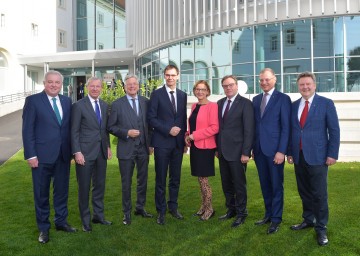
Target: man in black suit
x=91, y=148
x=167, y=117
x=46, y=138
x=128, y=123
x=234, y=144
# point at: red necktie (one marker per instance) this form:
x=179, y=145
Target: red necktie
x=303, y=117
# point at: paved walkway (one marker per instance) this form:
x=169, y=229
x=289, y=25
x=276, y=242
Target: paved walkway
x=10, y=135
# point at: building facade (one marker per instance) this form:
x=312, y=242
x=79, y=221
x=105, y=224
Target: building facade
x=206, y=39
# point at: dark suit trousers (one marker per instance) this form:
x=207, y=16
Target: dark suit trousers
x=233, y=181
x=312, y=186
x=167, y=158
x=93, y=171
x=271, y=178
x=140, y=157
x=42, y=176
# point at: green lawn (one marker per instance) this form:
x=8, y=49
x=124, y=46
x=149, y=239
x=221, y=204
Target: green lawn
x=18, y=231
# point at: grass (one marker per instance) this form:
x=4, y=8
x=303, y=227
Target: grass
x=18, y=231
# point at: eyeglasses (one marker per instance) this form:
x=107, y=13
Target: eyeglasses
x=169, y=75
x=228, y=85
x=200, y=90
x=266, y=80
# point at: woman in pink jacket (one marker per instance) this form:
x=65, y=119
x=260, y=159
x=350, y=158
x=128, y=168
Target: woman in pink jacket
x=203, y=126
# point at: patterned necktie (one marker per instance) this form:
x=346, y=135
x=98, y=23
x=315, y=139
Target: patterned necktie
x=263, y=104
x=97, y=111
x=56, y=110
x=303, y=118
x=134, y=106
x=226, y=109
x=173, y=101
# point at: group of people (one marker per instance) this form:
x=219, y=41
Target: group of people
x=234, y=129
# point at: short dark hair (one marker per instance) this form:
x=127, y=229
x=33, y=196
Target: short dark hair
x=229, y=76
x=168, y=67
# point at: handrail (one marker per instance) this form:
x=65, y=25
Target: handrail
x=15, y=97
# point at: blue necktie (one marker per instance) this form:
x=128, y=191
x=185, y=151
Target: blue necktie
x=97, y=111
x=56, y=110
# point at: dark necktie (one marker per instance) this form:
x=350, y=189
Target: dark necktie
x=227, y=109
x=303, y=117
x=263, y=104
x=56, y=110
x=97, y=111
x=134, y=106
x=173, y=101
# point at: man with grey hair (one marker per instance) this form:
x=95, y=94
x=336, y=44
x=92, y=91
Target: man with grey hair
x=128, y=123
x=91, y=148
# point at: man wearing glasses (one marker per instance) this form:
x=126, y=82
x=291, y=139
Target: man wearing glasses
x=234, y=144
x=167, y=117
x=272, y=119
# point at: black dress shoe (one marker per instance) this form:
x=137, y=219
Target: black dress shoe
x=238, y=221
x=227, y=215
x=322, y=239
x=160, y=219
x=127, y=219
x=143, y=213
x=176, y=214
x=274, y=227
x=86, y=228
x=66, y=228
x=263, y=221
x=102, y=222
x=302, y=225
x=43, y=237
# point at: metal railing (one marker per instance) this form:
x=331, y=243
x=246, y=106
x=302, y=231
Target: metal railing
x=15, y=97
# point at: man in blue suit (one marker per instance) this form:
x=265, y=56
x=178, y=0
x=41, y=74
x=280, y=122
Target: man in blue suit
x=46, y=139
x=314, y=146
x=272, y=131
x=167, y=117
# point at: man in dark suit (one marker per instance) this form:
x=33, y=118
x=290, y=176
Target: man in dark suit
x=128, y=123
x=314, y=146
x=46, y=139
x=234, y=144
x=167, y=117
x=272, y=131
x=91, y=148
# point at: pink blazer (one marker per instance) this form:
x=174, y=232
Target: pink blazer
x=207, y=126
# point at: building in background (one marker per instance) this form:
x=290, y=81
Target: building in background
x=206, y=39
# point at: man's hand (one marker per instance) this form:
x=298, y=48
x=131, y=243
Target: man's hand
x=279, y=158
x=133, y=133
x=79, y=158
x=244, y=159
x=109, y=153
x=330, y=161
x=174, y=131
x=290, y=159
x=33, y=162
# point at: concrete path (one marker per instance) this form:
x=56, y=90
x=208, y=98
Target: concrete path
x=10, y=135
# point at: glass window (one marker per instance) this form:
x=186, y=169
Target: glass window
x=100, y=46
x=203, y=50
x=264, y=41
x=174, y=55
x=274, y=43
x=100, y=19
x=242, y=47
x=202, y=74
x=243, y=69
x=296, y=66
x=353, y=36
x=164, y=53
x=324, y=41
x=290, y=84
x=62, y=3
x=62, y=38
x=187, y=56
x=274, y=65
x=353, y=76
x=329, y=82
x=324, y=64
x=297, y=40
x=223, y=56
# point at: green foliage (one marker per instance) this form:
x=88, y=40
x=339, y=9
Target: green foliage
x=187, y=237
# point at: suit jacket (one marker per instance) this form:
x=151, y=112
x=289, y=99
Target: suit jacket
x=236, y=133
x=272, y=130
x=87, y=136
x=320, y=135
x=122, y=119
x=162, y=118
x=207, y=126
x=43, y=136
